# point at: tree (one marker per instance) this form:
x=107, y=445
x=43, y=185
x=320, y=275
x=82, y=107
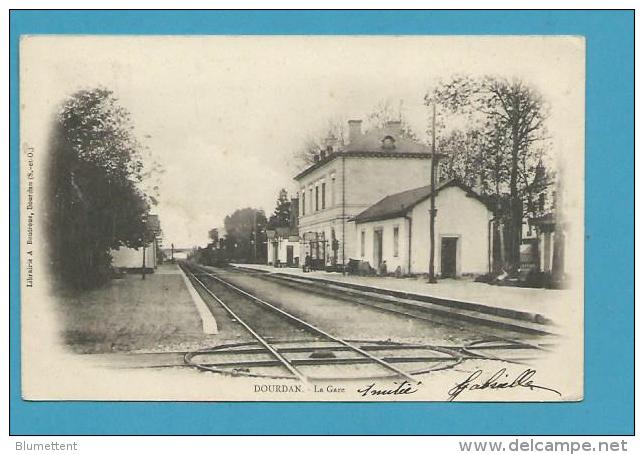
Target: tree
x=465, y=157
x=246, y=235
x=333, y=134
x=95, y=201
x=511, y=116
x=384, y=112
x=281, y=217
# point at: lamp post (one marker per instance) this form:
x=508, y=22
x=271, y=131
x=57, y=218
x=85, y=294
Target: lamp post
x=432, y=199
x=145, y=229
x=254, y=236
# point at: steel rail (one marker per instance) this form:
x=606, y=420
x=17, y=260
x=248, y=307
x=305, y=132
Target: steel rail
x=316, y=329
x=330, y=361
x=284, y=280
x=300, y=349
x=297, y=373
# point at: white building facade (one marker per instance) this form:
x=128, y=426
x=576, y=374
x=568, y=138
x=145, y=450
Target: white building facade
x=283, y=248
x=346, y=180
x=134, y=258
x=396, y=230
x=142, y=257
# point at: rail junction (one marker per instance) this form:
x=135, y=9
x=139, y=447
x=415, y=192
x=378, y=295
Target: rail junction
x=285, y=345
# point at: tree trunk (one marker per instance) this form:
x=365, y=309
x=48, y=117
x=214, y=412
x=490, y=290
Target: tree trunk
x=500, y=228
x=516, y=209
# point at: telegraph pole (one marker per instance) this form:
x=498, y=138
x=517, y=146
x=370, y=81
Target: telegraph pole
x=344, y=238
x=254, y=235
x=432, y=199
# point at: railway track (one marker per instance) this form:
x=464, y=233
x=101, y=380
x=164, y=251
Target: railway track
x=538, y=340
x=309, y=353
x=320, y=353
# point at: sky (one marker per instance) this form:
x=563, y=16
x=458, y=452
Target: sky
x=224, y=116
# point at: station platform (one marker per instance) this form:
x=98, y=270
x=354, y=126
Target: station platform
x=131, y=314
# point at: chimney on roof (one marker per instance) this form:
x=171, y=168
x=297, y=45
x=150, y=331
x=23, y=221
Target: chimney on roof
x=355, y=130
x=393, y=128
x=330, y=144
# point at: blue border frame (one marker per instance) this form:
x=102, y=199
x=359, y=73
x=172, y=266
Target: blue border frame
x=608, y=408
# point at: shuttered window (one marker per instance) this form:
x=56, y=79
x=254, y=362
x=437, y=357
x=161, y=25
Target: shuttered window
x=396, y=239
x=317, y=198
x=323, y=195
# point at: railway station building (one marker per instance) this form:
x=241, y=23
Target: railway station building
x=135, y=259
x=283, y=242
x=283, y=249
x=347, y=179
x=395, y=231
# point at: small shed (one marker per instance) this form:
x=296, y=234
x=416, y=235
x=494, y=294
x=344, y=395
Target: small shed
x=283, y=247
x=395, y=231
x=134, y=259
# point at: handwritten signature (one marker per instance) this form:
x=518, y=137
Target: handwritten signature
x=499, y=380
x=403, y=388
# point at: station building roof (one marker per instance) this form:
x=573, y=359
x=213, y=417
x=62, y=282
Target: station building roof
x=397, y=205
x=379, y=143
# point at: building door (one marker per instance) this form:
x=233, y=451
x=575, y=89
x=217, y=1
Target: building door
x=377, y=248
x=289, y=255
x=448, y=256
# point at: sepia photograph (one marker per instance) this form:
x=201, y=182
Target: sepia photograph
x=302, y=218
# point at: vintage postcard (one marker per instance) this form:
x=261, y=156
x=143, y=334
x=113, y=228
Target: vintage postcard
x=302, y=218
